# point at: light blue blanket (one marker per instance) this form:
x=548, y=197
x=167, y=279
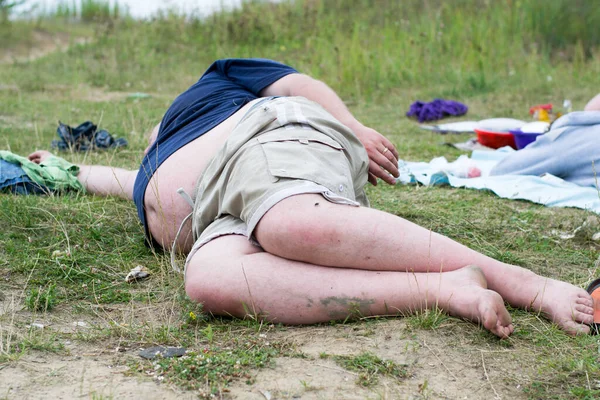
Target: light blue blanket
x=570, y=150
x=547, y=189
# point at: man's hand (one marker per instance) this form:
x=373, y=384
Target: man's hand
x=382, y=153
x=383, y=156
x=39, y=156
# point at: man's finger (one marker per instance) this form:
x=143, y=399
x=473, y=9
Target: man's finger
x=383, y=174
x=377, y=171
x=372, y=179
x=390, y=146
x=389, y=150
x=394, y=152
x=386, y=164
x=391, y=157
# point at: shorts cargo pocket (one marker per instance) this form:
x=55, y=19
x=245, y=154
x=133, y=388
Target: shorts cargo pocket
x=312, y=156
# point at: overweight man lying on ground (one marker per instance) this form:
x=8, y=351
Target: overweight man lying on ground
x=276, y=167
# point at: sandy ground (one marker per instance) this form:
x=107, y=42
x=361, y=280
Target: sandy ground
x=443, y=363
x=43, y=376
x=440, y=365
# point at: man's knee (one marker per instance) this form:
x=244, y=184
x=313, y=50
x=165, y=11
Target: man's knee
x=198, y=283
x=212, y=274
x=204, y=284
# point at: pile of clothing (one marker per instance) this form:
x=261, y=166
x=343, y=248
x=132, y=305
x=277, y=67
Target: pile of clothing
x=18, y=175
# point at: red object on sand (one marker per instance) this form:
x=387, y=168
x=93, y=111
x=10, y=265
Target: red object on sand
x=547, y=107
x=594, y=290
x=495, y=140
x=596, y=297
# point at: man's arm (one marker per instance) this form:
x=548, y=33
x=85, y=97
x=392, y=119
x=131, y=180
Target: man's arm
x=382, y=153
x=107, y=181
x=98, y=179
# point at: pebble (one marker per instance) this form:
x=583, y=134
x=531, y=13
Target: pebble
x=165, y=352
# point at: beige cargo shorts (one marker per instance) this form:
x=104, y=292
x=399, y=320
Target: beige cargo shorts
x=281, y=148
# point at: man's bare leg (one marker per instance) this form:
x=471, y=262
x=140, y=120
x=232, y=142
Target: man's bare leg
x=230, y=276
x=309, y=229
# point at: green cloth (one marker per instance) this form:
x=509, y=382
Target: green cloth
x=54, y=173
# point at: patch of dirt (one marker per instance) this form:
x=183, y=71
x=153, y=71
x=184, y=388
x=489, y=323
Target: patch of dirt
x=79, y=375
x=42, y=43
x=10, y=302
x=439, y=366
x=80, y=369
x=55, y=92
x=452, y=362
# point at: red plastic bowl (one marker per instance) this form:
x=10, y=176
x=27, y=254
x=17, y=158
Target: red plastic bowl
x=495, y=140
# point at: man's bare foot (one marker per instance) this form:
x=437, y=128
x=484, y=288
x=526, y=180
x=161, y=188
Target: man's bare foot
x=569, y=307
x=464, y=294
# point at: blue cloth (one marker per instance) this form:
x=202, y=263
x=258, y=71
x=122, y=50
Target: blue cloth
x=437, y=109
x=547, y=189
x=14, y=179
x=224, y=88
x=570, y=150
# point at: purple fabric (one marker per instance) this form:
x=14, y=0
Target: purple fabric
x=437, y=109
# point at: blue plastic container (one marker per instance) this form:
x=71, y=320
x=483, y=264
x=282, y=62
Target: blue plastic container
x=522, y=139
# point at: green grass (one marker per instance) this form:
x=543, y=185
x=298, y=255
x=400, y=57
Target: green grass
x=209, y=371
x=87, y=11
x=468, y=46
x=427, y=319
x=41, y=299
x=369, y=367
x=495, y=56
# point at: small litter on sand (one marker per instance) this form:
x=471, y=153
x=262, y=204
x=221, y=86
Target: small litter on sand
x=138, y=273
x=162, y=351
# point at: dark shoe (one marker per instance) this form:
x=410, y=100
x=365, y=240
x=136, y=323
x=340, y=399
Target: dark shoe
x=75, y=138
x=104, y=140
x=85, y=137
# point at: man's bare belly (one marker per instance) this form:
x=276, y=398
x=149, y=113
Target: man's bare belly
x=165, y=208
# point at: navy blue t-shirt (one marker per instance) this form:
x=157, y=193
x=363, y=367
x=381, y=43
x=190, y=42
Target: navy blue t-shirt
x=226, y=86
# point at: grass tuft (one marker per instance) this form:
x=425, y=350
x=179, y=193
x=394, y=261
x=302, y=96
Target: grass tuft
x=41, y=299
x=210, y=370
x=369, y=367
x=428, y=319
